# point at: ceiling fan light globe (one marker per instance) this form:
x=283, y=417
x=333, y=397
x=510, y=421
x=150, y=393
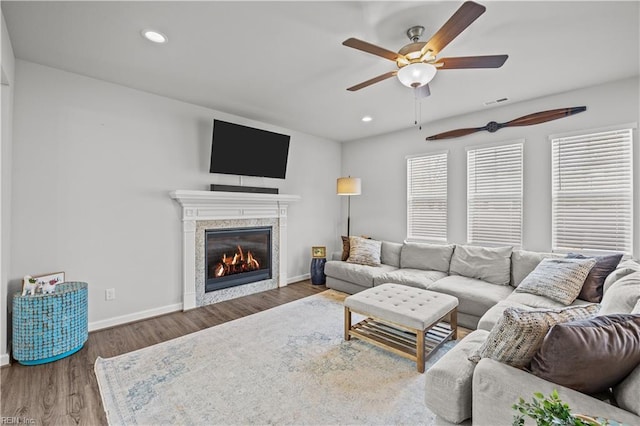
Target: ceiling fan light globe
x=417, y=74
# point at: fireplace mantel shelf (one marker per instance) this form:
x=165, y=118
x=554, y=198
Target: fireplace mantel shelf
x=204, y=198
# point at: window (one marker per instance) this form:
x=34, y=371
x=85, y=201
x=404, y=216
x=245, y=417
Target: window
x=592, y=192
x=427, y=197
x=494, y=195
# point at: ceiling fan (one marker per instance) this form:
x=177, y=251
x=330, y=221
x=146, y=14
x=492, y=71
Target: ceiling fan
x=417, y=61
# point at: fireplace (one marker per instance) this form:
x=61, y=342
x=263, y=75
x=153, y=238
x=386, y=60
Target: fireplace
x=237, y=256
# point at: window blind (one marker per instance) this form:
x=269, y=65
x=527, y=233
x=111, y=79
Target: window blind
x=494, y=195
x=593, y=192
x=427, y=197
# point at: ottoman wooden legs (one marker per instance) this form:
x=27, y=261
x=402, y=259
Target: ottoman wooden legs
x=411, y=343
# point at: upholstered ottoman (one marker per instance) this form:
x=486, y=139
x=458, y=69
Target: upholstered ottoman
x=407, y=321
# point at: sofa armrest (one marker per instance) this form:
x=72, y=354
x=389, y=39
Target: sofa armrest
x=497, y=386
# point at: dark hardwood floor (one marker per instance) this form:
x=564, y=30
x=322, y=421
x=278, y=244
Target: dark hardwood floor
x=66, y=392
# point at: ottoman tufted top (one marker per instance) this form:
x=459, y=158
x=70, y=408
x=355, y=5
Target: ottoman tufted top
x=400, y=304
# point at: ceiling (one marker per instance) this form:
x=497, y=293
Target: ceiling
x=283, y=62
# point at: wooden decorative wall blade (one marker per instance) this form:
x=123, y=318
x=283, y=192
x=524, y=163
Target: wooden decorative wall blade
x=527, y=120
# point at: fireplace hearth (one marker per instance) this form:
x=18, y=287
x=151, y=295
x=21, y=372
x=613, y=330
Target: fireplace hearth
x=237, y=256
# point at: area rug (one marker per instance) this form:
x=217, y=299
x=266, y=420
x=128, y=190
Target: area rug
x=286, y=365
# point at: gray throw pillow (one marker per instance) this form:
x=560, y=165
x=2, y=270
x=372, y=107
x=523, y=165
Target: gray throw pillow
x=592, y=289
x=590, y=355
x=523, y=262
x=430, y=257
x=557, y=279
x=492, y=265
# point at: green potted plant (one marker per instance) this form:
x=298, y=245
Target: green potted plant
x=551, y=411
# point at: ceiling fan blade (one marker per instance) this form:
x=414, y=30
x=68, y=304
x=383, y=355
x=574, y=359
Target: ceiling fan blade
x=544, y=116
x=372, y=81
x=454, y=133
x=490, y=61
x=422, y=91
x=372, y=48
x=459, y=21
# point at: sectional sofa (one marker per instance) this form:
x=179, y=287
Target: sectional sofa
x=485, y=280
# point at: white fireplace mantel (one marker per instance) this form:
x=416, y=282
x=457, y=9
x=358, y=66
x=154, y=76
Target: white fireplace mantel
x=211, y=205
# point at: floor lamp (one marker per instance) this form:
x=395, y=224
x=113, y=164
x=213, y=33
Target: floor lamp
x=349, y=186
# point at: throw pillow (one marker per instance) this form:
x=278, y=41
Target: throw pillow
x=558, y=279
x=519, y=333
x=592, y=288
x=345, y=248
x=364, y=251
x=622, y=296
x=492, y=265
x=636, y=309
x=429, y=257
x=591, y=355
x=624, y=268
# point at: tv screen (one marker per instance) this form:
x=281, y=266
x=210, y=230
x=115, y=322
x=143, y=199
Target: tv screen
x=241, y=150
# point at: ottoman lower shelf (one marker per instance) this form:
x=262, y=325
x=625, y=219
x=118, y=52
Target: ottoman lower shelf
x=401, y=340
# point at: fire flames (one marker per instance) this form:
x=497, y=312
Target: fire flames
x=236, y=264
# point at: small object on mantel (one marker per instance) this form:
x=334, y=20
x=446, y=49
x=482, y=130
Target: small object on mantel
x=527, y=120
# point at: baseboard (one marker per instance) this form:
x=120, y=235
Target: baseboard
x=298, y=278
x=4, y=359
x=124, y=319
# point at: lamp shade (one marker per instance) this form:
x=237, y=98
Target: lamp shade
x=349, y=186
x=417, y=74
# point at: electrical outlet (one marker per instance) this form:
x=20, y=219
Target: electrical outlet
x=110, y=294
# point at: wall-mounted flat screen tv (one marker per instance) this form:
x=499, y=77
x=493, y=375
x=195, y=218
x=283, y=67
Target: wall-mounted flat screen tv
x=245, y=151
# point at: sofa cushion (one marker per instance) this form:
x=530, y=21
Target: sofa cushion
x=363, y=251
x=519, y=333
x=475, y=297
x=362, y=275
x=410, y=277
x=624, y=268
x=626, y=393
x=523, y=262
x=492, y=265
x=590, y=355
x=390, y=253
x=448, y=381
x=592, y=289
x=491, y=317
x=535, y=301
x=558, y=279
x=432, y=257
x=524, y=301
x=636, y=309
x=622, y=296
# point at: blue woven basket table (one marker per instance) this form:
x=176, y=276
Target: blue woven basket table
x=48, y=327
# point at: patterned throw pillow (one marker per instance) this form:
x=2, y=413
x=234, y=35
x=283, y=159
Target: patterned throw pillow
x=519, y=333
x=558, y=279
x=364, y=251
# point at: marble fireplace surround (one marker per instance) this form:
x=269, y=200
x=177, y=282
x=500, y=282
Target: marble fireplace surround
x=203, y=210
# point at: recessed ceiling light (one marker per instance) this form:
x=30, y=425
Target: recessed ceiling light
x=367, y=118
x=154, y=36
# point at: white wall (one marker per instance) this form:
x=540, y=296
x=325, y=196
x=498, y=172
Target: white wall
x=381, y=209
x=7, y=69
x=93, y=166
